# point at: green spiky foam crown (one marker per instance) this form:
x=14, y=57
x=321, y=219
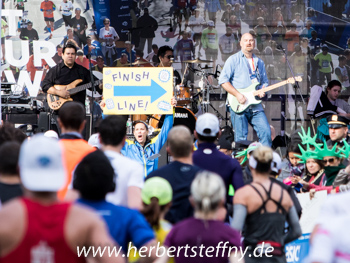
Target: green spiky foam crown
x=308, y=154
x=326, y=152
x=306, y=137
x=245, y=153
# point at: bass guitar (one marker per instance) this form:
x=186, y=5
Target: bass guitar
x=55, y=102
x=250, y=93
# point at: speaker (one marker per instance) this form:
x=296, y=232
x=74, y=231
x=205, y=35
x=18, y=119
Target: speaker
x=43, y=122
x=22, y=118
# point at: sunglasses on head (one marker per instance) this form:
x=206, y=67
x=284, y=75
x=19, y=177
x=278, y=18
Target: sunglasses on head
x=330, y=161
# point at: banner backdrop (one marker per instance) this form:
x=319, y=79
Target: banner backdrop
x=120, y=17
x=101, y=11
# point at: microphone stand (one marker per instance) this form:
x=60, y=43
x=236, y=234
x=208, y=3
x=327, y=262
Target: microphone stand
x=295, y=86
x=92, y=100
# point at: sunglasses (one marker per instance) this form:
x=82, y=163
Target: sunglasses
x=330, y=161
x=169, y=56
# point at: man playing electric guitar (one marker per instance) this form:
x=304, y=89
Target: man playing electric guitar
x=241, y=70
x=65, y=73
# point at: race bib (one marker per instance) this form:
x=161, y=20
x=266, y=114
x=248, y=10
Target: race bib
x=325, y=64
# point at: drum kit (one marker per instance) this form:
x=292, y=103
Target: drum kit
x=188, y=97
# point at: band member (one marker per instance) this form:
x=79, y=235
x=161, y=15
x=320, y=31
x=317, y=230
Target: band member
x=166, y=58
x=240, y=71
x=66, y=72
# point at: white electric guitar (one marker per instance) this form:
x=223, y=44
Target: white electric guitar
x=250, y=93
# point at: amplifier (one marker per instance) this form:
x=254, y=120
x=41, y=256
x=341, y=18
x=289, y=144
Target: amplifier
x=21, y=118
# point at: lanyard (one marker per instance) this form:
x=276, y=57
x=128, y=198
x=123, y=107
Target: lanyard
x=249, y=67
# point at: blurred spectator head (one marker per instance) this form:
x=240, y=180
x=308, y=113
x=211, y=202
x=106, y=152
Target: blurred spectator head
x=180, y=142
x=139, y=53
x=112, y=130
x=155, y=48
x=59, y=49
x=228, y=31
x=260, y=21
x=207, y=192
x=325, y=49
x=123, y=58
x=94, y=176
x=297, y=48
x=71, y=116
x=106, y=21
x=308, y=23
x=127, y=45
x=8, y=132
x=347, y=53
x=99, y=61
x=211, y=24
x=77, y=11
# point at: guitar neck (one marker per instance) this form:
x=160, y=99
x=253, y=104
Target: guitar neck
x=83, y=87
x=274, y=86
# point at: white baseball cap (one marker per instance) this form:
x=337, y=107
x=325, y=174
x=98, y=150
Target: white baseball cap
x=207, y=125
x=41, y=164
x=94, y=140
x=51, y=134
x=276, y=163
x=211, y=23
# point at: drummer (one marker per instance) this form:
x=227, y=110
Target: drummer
x=166, y=58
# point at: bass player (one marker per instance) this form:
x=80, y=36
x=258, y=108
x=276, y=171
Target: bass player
x=65, y=73
x=240, y=71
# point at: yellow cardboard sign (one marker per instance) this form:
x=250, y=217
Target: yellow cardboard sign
x=138, y=90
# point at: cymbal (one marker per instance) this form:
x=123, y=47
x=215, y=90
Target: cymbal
x=139, y=62
x=197, y=61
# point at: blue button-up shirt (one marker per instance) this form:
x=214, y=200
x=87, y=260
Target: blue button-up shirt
x=236, y=72
x=212, y=5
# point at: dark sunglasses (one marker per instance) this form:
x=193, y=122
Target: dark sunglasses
x=169, y=56
x=330, y=161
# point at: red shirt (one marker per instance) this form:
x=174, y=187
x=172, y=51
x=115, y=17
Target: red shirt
x=181, y=3
x=48, y=8
x=85, y=62
x=44, y=239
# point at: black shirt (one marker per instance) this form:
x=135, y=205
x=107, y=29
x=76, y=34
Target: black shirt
x=30, y=34
x=9, y=191
x=80, y=24
x=66, y=76
x=180, y=177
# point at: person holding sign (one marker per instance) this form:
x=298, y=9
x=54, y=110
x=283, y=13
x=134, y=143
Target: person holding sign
x=146, y=150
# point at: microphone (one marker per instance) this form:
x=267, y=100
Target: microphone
x=279, y=47
x=171, y=26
